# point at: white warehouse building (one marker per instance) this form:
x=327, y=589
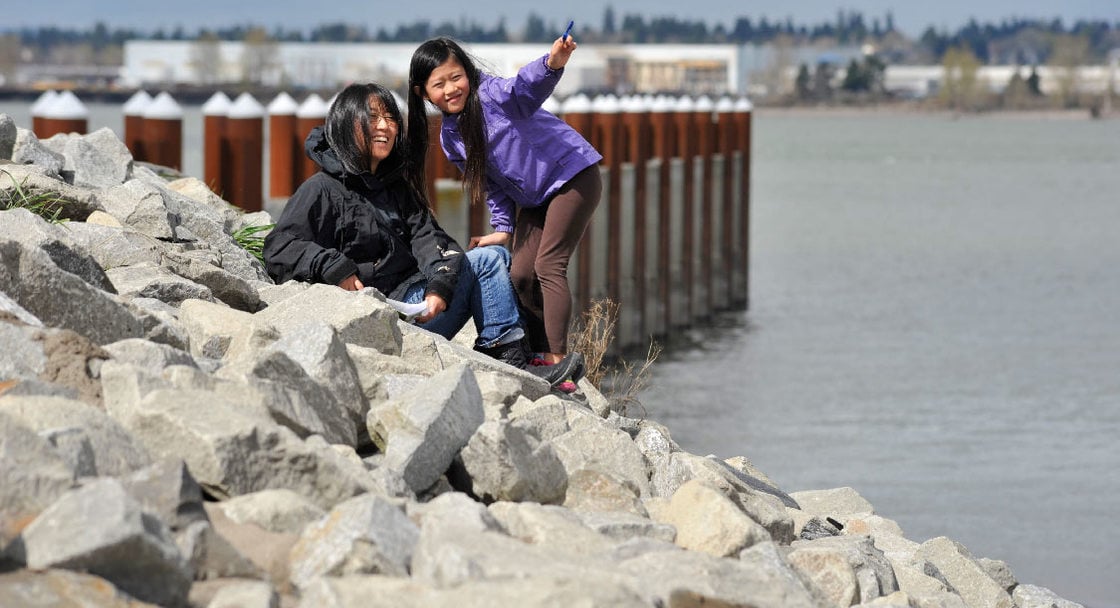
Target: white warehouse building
x=694, y=69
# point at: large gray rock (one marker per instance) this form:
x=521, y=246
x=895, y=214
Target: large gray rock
x=316, y=347
x=505, y=461
x=147, y=354
x=359, y=318
x=598, y=491
x=168, y=490
x=63, y=589
x=708, y=521
x=364, y=535
x=1033, y=596
x=846, y=568
x=115, y=246
x=9, y=309
x=597, y=447
x=195, y=189
x=291, y=397
x=7, y=136
x=550, y=526
x=140, y=205
x=231, y=289
x=424, y=430
x=245, y=594
x=55, y=361
x=625, y=526
x=959, y=569
x=146, y=280
x=374, y=591
x=758, y=579
x=29, y=150
x=47, y=291
x=231, y=452
x=767, y=509
x=43, y=183
x=220, y=332
x=281, y=511
x=97, y=160
x=114, y=451
x=100, y=529
x=32, y=476
x=67, y=253
x=838, y=503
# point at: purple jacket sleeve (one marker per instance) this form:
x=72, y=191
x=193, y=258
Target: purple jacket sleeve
x=524, y=93
x=503, y=211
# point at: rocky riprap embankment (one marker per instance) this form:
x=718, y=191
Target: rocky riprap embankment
x=177, y=430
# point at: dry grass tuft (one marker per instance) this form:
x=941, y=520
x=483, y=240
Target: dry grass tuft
x=622, y=382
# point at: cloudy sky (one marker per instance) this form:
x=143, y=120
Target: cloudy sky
x=911, y=16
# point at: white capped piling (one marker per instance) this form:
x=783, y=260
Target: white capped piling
x=284, y=149
x=163, y=131
x=245, y=132
x=133, y=111
x=215, y=147
x=38, y=107
x=310, y=114
x=65, y=114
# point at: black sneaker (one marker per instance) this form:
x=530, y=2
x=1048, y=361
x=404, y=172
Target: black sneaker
x=518, y=355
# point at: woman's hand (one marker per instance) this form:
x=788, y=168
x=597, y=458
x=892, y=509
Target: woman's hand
x=351, y=283
x=494, y=238
x=435, y=304
x=561, y=52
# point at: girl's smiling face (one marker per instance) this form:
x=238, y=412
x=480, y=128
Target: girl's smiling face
x=448, y=86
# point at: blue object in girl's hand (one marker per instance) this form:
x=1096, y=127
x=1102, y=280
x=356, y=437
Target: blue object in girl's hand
x=567, y=32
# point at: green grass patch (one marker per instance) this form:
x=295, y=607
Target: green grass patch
x=250, y=239
x=47, y=205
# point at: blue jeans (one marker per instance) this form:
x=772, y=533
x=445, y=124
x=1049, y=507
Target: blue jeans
x=484, y=292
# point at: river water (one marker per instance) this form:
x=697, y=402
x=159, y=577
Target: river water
x=934, y=321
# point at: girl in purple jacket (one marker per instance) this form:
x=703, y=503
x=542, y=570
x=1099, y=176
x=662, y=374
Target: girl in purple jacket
x=538, y=176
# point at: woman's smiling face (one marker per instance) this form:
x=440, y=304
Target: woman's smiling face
x=383, y=128
x=448, y=86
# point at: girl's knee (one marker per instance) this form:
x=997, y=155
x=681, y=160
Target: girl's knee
x=488, y=257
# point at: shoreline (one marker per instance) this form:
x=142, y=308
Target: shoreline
x=911, y=110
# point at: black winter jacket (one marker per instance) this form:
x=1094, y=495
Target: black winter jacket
x=338, y=224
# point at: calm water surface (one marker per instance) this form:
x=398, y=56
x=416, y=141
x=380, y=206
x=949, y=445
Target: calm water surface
x=934, y=321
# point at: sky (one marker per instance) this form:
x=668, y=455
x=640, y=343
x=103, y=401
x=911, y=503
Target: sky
x=912, y=17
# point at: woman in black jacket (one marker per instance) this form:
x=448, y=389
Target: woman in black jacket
x=363, y=221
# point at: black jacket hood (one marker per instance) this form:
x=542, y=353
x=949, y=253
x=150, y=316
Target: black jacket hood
x=319, y=150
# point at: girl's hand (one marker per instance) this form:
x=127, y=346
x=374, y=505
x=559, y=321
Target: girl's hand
x=435, y=304
x=494, y=238
x=351, y=283
x=561, y=52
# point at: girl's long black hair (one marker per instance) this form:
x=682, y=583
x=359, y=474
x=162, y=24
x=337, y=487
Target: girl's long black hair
x=350, y=109
x=430, y=55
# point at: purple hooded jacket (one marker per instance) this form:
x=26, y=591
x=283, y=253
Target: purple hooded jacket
x=530, y=152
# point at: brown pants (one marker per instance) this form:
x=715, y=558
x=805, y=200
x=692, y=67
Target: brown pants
x=544, y=240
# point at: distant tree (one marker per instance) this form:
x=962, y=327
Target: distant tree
x=9, y=56
x=960, y=89
x=856, y=79
x=535, y=29
x=1034, y=85
x=608, y=22
x=1069, y=53
x=822, y=80
x=802, y=87
x=258, y=59
x=206, y=58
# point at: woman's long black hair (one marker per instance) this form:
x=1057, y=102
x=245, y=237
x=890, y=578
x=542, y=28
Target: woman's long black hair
x=430, y=55
x=352, y=108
